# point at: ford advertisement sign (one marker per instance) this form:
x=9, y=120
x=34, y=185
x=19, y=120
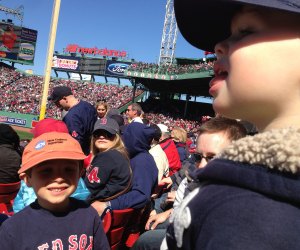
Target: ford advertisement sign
x=115, y=68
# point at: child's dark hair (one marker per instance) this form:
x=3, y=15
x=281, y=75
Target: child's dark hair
x=9, y=136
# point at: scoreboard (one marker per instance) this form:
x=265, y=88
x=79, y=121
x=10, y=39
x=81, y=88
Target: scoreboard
x=17, y=44
x=90, y=65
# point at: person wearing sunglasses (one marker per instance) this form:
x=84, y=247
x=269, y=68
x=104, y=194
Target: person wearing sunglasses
x=213, y=136
x=109, y=174
x=137, y=138
x=134, y=112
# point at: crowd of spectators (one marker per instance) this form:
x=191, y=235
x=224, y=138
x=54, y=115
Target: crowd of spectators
x=170, y=113
x=22, y=93
x=171, y=69
x=172, y=121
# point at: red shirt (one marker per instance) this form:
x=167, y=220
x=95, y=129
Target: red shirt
x=170, y=149
x=8, y=39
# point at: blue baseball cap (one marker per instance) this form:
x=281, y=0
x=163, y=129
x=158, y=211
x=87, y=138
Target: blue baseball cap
x=204, y=23
x=59, y=92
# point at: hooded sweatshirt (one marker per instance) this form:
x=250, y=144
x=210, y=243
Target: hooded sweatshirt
x=137, y=138
x=10, y=154
x=249, y=198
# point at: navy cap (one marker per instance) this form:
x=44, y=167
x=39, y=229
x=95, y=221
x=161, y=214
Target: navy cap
x=204, y=23
x=59, y=92
x=118, y=118
x=107, y=124
x=112, y=112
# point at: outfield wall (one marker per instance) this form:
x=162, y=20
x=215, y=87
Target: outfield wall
x=17, y=119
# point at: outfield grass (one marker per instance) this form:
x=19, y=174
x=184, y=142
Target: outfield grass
x=24, y=135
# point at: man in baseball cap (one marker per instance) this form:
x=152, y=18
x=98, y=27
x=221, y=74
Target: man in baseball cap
x=59, y=93
x=80, y=117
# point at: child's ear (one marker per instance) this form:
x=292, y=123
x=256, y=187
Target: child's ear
x=26, y=179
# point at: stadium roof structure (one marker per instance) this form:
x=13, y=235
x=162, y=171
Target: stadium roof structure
x=196, y=84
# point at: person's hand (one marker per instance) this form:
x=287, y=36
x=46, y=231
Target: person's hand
x=167, y=181
x=153, y=212
x=171, y=197
x=99, y=206
x=156, y=219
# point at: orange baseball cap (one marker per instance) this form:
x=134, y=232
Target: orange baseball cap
x=50, y=146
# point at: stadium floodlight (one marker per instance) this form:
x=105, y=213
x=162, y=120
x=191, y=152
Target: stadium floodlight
x=169, y=36
x=18, y=12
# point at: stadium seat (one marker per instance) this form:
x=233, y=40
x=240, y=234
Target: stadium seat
x=136, y=226
x=123, y=227
x=114, y=224
x=7, y=194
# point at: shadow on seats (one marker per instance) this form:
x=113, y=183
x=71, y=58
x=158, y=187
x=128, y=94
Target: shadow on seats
x=123, y=227
x=114, y=224
x=7, y=194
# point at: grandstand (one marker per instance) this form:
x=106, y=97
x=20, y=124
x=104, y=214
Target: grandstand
x=191, y=79
x=21, y=94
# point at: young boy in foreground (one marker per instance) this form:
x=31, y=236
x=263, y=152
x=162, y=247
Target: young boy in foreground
x=52, y=164
x=251, y=199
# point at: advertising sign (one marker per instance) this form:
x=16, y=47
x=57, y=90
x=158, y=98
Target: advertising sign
x=65, y=62
x=13, y=121
x=75, y=48
x=116, y=68
x=17, y=119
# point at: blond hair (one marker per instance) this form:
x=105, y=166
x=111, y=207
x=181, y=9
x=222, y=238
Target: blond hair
x=118, y=145
x=104, y=104
x=179, y=134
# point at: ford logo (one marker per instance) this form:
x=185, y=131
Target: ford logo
x=117, y=68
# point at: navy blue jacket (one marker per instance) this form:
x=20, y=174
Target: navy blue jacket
x=37, y=228
x=137, y=138
x=182, y=151
x=249, y=198
x=108, y=175
x=80, y=121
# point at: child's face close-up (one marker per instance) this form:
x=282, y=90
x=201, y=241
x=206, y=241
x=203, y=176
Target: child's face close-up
x=101, y=110
x=53, y=182
x=257, y=75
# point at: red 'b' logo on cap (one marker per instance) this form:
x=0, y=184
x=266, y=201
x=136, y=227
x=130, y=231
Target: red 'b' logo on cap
x=103, y=121
x=74, y=134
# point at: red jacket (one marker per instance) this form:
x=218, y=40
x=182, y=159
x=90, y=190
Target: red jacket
x=169, y=148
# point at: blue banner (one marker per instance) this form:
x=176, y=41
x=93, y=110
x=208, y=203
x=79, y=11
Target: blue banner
x=116, y=68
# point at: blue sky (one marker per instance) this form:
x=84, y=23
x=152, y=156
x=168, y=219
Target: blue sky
x=132, y=25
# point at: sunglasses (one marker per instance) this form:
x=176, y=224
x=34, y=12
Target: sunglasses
x=103, y=133
x=198, y=157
